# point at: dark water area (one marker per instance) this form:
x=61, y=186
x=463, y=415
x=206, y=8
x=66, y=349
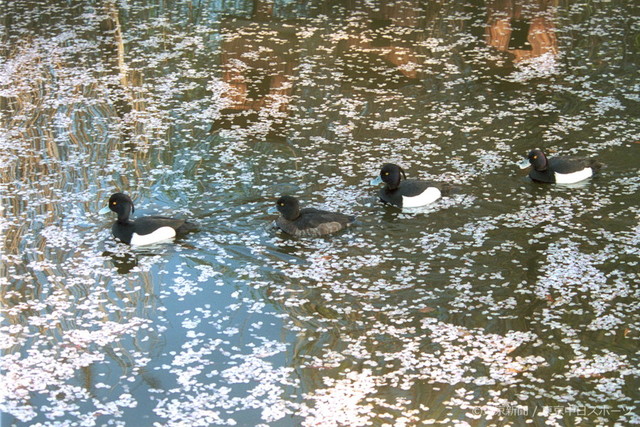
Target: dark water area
x=509, y=302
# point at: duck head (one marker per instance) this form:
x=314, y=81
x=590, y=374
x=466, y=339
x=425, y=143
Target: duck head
x=289, y=207
x=390, y=174
x=535, y=158
x=121, y=204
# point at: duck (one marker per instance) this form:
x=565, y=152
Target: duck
x=407, y=193
x=561, y=169
x=145, y=230
x=308, y=222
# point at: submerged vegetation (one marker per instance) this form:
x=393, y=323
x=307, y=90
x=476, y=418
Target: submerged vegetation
x=509, y=301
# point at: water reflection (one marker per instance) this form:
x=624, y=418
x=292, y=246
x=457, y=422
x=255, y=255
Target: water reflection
x=525, y=30
x=123, y=262
x=258, y=79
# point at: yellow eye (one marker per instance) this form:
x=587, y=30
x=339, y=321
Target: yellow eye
x=535, y=157
x=114, y=203
x=281, y=204
x=386, y=173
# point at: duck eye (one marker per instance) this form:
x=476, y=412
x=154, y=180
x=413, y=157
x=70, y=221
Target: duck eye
x=114, y=203
x=386, y=173
x=281, y=204
x=535, y=157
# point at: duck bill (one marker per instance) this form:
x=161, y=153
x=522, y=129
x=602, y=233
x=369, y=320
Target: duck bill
x=104, y=210
x=524, y=164
x=377, y=180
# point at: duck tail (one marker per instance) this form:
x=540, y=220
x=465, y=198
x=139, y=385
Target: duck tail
x=449, y=189
x=188, y=226
x=595, y=165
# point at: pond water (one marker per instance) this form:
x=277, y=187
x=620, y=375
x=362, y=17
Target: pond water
x=508, y=303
